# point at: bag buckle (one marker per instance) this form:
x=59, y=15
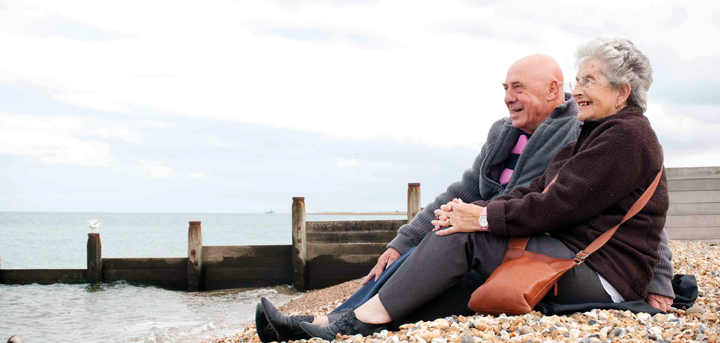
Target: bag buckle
x=579, y=259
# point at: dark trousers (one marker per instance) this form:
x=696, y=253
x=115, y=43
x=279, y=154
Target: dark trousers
x=434, y=281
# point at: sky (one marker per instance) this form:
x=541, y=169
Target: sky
x=238, y=106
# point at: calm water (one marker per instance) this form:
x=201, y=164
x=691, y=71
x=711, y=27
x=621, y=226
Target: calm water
x=119, y=312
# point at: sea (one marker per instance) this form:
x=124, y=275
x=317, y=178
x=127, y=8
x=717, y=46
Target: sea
x=119, y=311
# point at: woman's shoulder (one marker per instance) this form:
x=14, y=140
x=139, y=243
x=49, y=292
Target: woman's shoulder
x=630, y=125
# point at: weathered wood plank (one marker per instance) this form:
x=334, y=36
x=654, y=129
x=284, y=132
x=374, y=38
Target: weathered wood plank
x=42, y=276
x=279, y=274
x=148, y=275
x=145, y=263
x=250, y=262
x=354, y=225
x=693, y=221
x=694, y=233
x=352, y=237
x=345, y=260
x=693, y=173
x=694, y=185
x=195, y=253
x=694, y=208
x=413, y=202
x=317, y=249
x=299, y=244
x=684, y=197
x=216, y=253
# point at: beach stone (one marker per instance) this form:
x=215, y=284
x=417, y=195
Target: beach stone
x=438, y=340
x=442, y=323
x=467, y=339
x=417, y=339
x=643, y=316
x=574, y=334
x=524, y=330
x=695, y=309
x=616, y=332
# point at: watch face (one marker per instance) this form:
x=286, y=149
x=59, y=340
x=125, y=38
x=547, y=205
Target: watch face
x=483, y=221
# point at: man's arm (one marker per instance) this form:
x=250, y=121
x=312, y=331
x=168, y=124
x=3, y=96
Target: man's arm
x=467, y=189
x=661, y=283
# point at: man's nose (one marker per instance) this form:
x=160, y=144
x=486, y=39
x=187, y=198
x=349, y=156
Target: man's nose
x=509, y=97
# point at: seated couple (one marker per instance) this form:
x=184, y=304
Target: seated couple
x=602, y=167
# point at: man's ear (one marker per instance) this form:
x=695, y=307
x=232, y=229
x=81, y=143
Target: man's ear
x=553, y=90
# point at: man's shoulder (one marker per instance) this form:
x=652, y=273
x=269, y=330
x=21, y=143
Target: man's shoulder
x=502, y=124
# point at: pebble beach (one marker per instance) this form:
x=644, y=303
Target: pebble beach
x=699, y=323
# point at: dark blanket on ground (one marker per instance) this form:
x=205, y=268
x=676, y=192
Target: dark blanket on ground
x=684, y=286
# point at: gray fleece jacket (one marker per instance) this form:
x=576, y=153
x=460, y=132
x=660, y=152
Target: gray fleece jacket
x=478, y=183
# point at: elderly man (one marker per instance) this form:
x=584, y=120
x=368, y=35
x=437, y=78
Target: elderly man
x=543, y=118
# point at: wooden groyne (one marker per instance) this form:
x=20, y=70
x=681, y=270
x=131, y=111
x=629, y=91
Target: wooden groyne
x=322, y=253
x=325, y=253
x=694, y=212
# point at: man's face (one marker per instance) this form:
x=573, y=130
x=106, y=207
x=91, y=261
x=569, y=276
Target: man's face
x=525, y=98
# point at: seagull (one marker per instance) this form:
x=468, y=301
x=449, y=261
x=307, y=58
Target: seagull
x=93, y=224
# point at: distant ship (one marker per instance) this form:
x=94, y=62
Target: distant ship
x=271, y=212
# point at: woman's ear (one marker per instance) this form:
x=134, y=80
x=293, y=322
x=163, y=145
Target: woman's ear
x=623, y=94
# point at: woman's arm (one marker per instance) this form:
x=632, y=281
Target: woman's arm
x=618, y=161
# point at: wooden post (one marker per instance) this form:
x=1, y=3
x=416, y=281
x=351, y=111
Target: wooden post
x=299, y=249
x=413, y=200
x=94, y=257
x=194, y=256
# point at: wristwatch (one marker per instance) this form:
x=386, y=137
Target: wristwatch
x=483, y=220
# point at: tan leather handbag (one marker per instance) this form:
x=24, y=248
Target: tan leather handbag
x=525, y=277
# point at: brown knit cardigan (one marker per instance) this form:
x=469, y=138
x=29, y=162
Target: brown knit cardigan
x=600, y=176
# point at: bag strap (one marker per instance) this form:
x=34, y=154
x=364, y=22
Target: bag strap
x=605, y=237
x=521, y=242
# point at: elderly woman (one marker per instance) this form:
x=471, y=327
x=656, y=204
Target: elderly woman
x=599, y=177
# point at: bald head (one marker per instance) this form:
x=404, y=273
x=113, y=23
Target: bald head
x=540, y=66
x=533, y=89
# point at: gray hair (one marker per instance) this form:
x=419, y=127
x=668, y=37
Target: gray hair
x=621, y=62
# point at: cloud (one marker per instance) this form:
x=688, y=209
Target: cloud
x=689, y=81
x=60, y=139
x=150, y=170
x=154, y=124
x=32, y=21
x=343, y=163
x=677, y=18
x=687, y=133
x=519, y=32
x=197, y=175
x=716, y=19
x=216, y=141
x=54, y=148
x=321, y=33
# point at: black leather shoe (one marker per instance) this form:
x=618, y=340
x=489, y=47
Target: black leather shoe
x=347, y=324
x=286, y=327
x=264, y=330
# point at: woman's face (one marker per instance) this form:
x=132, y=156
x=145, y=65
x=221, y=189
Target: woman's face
x=595, y=96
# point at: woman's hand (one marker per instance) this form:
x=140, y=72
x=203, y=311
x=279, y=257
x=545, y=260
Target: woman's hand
x=457, y=216
x=659, y=302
